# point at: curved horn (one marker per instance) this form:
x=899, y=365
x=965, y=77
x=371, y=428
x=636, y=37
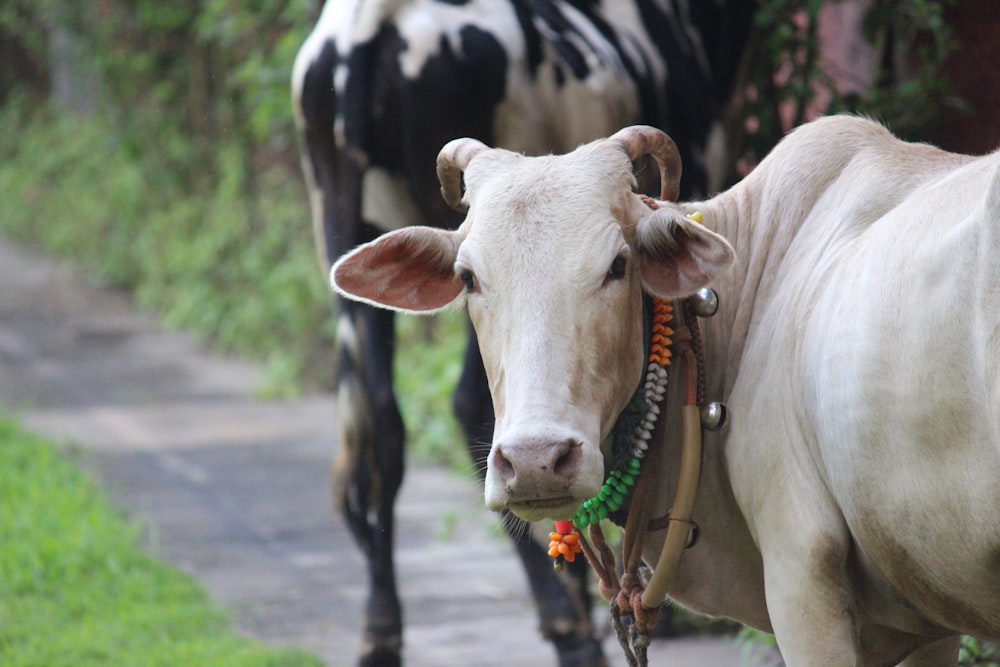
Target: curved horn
x=451, y=162
x=640, y=140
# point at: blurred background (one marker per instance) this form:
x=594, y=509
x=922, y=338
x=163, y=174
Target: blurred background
x=153, y=145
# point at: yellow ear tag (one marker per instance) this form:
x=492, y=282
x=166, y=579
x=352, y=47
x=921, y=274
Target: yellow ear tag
x=695, y=217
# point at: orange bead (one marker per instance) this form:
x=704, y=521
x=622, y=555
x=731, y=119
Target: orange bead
x=554, y=550
x=571, y=539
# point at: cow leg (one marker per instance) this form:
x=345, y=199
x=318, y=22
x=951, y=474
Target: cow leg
x=808, y=597
x=369, y=469
x=563, y=602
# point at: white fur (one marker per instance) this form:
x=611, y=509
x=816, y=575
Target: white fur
x=852, y=506
x=858, y=350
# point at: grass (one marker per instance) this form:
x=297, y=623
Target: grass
x=76, y=590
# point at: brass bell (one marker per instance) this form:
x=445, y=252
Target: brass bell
x=713, y=416
x=705, y=302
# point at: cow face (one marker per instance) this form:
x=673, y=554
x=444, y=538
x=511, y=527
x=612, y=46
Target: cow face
x=552, y=260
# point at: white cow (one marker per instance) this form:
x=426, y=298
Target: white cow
x=852, y=504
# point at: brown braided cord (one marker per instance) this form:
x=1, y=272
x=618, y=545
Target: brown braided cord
x=632, y=620
x=691, y=319
x=626, y=595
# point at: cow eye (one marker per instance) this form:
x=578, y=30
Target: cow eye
x=468, y=278
x=617, y=269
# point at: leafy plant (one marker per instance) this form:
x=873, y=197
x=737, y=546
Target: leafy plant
x=783, y=83
x=976, y=652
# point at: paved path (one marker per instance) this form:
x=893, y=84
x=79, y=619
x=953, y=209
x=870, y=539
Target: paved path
x=234, y=490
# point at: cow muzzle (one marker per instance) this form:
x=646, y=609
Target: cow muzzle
x=538, y=477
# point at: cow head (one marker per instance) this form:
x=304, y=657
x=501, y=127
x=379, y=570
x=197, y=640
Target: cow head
x=551, y=260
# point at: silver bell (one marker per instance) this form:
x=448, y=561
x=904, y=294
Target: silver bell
x=713, y=416
x=705, y=302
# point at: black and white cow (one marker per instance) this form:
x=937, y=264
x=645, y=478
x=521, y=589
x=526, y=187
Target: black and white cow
x=378, y=87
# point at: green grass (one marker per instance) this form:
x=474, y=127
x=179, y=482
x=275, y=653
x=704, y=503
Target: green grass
x=76, y=590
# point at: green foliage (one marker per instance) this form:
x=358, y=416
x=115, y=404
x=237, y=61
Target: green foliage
x=428, y=364
x=75, y=590
x=785, y=84
x=186, y=189
x=240, y=272
x=978, y=653
x=916, y=40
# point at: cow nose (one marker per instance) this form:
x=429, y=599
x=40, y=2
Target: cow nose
x=535, y=465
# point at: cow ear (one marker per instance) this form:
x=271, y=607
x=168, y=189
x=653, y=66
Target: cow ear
x=678, y=255
x=411, y=270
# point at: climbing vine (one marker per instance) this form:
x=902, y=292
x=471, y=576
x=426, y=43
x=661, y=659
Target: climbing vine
x=785, y=83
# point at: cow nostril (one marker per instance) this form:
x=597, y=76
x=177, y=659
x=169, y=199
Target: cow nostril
x=568, y=459
x=503, y=466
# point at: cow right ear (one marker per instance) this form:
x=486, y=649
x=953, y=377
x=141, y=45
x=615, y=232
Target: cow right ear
x=410, y=270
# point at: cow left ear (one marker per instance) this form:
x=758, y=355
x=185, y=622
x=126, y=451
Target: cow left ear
x=410, y=270
x=679, y=256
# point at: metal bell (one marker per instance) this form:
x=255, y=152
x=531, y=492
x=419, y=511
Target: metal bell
x=693, y=536
x=705, y=302
x=713, y=416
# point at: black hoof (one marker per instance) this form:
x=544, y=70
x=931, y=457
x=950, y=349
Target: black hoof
x=381, y=656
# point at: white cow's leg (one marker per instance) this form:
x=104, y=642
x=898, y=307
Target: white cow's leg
x=809, y=601
x=942, y=653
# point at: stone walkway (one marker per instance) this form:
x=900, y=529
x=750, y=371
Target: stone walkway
x=234, y=490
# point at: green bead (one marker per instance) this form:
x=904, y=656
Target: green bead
x=611, y=495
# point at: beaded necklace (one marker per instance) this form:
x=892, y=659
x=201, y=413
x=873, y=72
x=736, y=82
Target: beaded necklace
x=630, y=440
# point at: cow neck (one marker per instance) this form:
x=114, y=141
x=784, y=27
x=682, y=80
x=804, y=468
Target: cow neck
x=641, y=596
